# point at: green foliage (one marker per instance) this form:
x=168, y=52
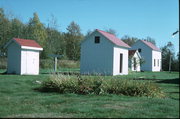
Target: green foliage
x=132, y=88
x=50, y=38
x=98, y=85
x=129, y=40
x=73, y=39
x=111, y=31
x=49, y=64
x=3, y=63
x=36, y=30
x=68, y=64
x=167, y=53
x=5, y=28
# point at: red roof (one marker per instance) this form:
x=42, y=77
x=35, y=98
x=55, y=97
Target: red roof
x=113, y=39
x=26, y=42
x=152, y=46
x=131, y=52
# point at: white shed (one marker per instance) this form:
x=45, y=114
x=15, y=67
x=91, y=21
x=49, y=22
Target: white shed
x=103, y=53
x=23, y=56
x=151, y=55
x=134, y=60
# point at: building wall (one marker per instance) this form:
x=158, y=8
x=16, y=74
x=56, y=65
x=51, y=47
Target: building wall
x=116, y=61
x=131, y=61
x=96, y=58
x=156, y=56
x=29, y=62
x=146, y=54
x=14, y=59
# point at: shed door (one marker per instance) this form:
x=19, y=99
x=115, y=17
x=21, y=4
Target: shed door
x=31, y=62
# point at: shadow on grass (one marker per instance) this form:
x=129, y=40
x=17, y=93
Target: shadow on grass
x=169, y=81
x=45, y=90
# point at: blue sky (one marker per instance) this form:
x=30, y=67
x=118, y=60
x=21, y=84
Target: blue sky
x=136, y=18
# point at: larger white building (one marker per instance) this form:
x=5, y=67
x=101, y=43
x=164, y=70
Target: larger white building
x=151, y=55
x=103, y=53
x=23, y=56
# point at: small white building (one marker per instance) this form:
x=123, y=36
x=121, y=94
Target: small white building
x=134, y=60
x=23, y=56
x=150, y=54
x=103, y=53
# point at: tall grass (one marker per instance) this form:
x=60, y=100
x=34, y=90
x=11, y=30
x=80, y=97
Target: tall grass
x=49, y=63
x=3, y=63
x=98, y=85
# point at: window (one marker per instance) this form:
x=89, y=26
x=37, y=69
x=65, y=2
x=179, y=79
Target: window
x=158, y=62
x=97, y=39
x=154, y=62
x=139, y=50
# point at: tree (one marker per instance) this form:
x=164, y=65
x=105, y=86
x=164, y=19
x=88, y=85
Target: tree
x=111, y=31
x=36, y=30
x=5, y=27
x=149, y=39
x=175, y=63
x=88, y=33
x=73, y=39
x=129, y=40
x=55, y=43
x=17, y=28
x=167, y=50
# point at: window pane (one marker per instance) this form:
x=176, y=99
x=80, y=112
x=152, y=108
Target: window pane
x=97, y=39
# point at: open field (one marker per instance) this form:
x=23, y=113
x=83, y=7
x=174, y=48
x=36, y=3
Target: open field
x=18, y=98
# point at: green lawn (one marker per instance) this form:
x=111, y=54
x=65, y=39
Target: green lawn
x=19, y=98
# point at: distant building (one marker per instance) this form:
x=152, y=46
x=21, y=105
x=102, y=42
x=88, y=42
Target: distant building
x=23, y=56
x=150, y=53
x=134, y=60
x=103, y=53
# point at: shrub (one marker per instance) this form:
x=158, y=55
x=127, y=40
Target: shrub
x=99, y=85
x=132, y=88
x=61, y=84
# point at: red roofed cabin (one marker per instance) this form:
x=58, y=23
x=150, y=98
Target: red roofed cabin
x=103, y=53
x=150, y=54
x=23, y=56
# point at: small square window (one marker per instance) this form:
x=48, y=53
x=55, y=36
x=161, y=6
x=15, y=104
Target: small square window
x=97, y=39
x=139, y=50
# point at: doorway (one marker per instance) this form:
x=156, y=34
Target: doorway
x=121, y=63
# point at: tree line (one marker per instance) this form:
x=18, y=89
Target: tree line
x=65, y=43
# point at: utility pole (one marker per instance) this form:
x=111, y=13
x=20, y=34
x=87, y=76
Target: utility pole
x=55, y=64
x=55, y=60
x=173, y=34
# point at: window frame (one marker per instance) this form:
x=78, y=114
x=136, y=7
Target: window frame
x=97, y=39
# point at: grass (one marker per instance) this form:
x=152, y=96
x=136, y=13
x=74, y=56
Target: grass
x=18, y=98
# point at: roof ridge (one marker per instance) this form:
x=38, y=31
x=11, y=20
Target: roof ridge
x=28, y=43
x=151, y=45
x=117, y=41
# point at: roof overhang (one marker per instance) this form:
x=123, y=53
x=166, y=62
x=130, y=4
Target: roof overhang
x=23, y=47
x=31, y=48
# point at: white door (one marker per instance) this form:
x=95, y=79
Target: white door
x=32, y=66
